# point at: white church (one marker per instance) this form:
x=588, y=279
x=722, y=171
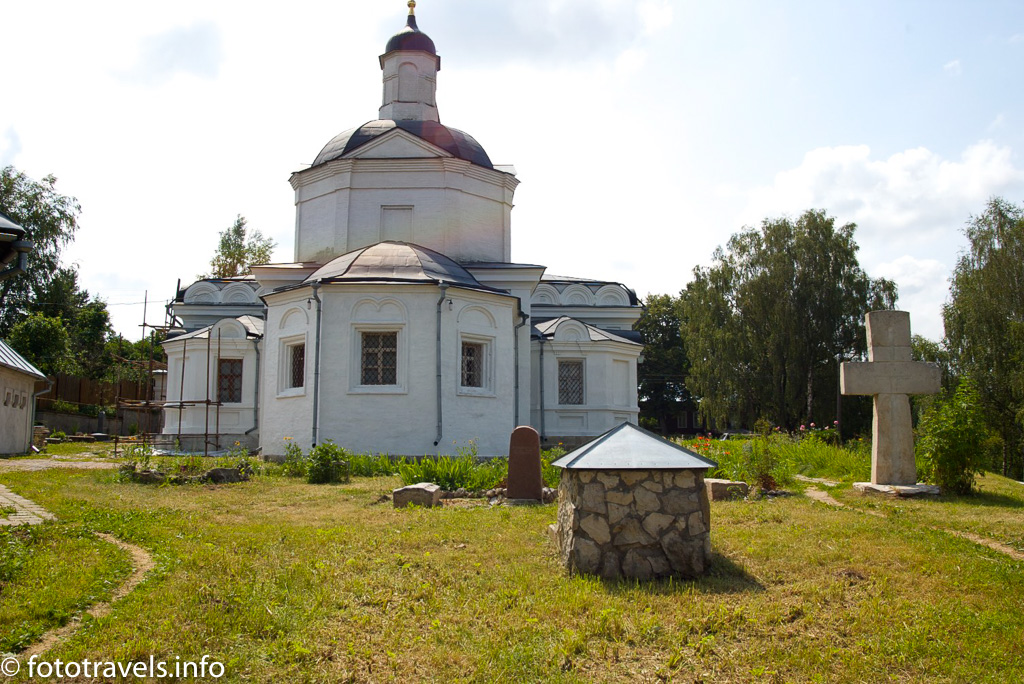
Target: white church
x=403, y=326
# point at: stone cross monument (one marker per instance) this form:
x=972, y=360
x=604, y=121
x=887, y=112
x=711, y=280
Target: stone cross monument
x=890, y=376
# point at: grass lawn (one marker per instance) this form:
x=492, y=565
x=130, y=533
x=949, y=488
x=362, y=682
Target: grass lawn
x=285, y=581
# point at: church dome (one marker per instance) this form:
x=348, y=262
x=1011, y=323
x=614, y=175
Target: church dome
x=395, y=261
x=458, y=144
x=411, y=38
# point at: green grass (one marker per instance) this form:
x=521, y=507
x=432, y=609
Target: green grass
x=286, y=581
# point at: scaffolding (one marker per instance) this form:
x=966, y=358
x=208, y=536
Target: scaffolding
x=165, y=439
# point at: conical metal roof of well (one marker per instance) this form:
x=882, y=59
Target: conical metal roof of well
x=628, y=447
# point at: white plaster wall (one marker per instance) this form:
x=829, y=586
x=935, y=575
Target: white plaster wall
x=460, y=210
x=230, y=420
x=398, y=420
x=16, y=390
x=610, y=389
x=287, y=413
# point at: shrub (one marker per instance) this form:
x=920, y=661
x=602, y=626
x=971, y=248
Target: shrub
x=550, y=474
x=59, y=434
x=295, y=463
x=375, y=465
x=61, y=406
x=328, y=462
x=954, y=441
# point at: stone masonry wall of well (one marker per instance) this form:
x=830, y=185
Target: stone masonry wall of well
x=638, y=524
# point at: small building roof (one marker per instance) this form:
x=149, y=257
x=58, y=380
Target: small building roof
x=628, y=447
x=253, y=328
x=547, y=329
x=394, y=261
x=12, y=359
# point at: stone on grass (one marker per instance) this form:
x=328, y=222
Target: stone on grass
x=225, y=475
x=722, y=490
x=426, y=494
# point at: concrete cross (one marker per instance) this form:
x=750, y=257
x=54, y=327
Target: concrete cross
x=890, y=376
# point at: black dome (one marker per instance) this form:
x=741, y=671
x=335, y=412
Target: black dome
x=458, y=144
x=411, y=38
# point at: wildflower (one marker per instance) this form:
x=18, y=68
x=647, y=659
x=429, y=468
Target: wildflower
x=835, y=422
x=803, y=427
x=812, y=424
x=287, y=439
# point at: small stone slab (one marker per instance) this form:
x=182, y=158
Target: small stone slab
x=426, y=494
x=902, y=491
x=723, y=490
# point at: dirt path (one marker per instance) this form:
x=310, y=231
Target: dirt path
x=827, y=499
x=35, y=464
x=29, y=513
x=142, y=562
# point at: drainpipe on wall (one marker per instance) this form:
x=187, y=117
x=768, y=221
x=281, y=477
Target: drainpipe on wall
x=543, y=437
x=316, y=366
x=440, y=420
x=523, y=317
x=256, y=400
x=35, y=399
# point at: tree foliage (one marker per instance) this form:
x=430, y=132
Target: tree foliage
x=766, y=325
x=50, y=220
x=984, y=322
x=44, y=342
x=238, y=250
x=45, y=313
x=662, y=375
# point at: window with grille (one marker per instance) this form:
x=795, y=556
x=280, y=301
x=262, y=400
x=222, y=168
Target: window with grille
x=472, y=364
x=229, y=381
x=380, y=358
x=570, y=382
x=296, y=365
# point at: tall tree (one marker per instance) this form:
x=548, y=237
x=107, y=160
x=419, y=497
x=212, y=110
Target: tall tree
x=662, y=374
x=984, y=322
x=50, y=220
x=237, y=251
x=767, y=324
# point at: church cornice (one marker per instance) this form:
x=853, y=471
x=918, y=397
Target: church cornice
x=339, y=167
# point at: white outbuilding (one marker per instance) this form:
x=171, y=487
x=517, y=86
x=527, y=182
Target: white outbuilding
x=403, y=326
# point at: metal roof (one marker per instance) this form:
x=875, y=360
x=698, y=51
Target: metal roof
x=253, y=328
x=14, y=360
x=411, y=38
x=628, y=447
x=451, y=140
x=399, y=262
x=547, y=328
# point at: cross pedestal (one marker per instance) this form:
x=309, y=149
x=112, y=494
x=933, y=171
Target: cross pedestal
x=890, y=376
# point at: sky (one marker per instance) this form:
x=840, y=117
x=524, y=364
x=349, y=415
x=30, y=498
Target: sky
x=645, y=132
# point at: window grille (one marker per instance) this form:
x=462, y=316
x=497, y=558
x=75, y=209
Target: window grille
x=380, y=358
x=472, y=364
x=229, y=381
x=297, y=368
x=570, y=382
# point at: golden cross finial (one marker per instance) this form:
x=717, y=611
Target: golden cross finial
x=412, y=6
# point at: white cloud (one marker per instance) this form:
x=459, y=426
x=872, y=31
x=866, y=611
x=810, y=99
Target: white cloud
x=953, y=68
x=656, y=15
x=194, y=50
x=997, y=122
x=10, y=146
x=923, y=286
x=909, y=209
x=1017, y=38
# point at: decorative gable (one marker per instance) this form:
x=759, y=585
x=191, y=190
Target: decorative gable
x=397, y=144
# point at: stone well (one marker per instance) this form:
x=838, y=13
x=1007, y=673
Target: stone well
x=633, y=505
